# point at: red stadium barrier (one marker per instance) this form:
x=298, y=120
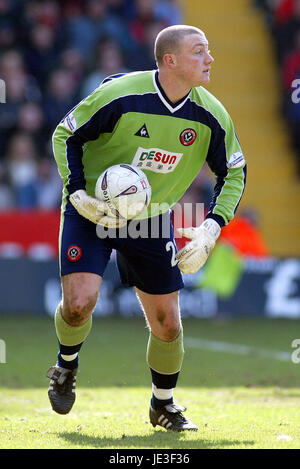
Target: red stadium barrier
x=23, y=231
x=35, y=233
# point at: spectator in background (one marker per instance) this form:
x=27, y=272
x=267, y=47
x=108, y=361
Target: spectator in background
x=6, y=193
x=48, y=185
x=291, y=64
x=8, y=25
x=148, y=12
x=22, y=169
x=142, y=57
x=148, y=20
x=168, y=11
x=20, y=88
x=35, y=181
x=42, y=53
x=122, y=8
x=286, y=30
x=85, y=31
x=45, y=13
x=12, y=67
x=60, y=96
x=283, y=10
x=144, y=15
x=48, y=13
x=283, y=17
x=31, y=120
x=292, y=110
x=72, y=61
x=290, y=72
x=109, y=61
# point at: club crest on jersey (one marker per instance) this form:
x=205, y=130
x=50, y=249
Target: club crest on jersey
x=187, y=137
x=156, y=159
x=70, y=122
x=74, y=253
x=236, y=160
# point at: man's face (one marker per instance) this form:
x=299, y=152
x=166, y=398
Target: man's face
x=193, y=60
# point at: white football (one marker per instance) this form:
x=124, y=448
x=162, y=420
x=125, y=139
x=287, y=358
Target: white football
x=125, y=188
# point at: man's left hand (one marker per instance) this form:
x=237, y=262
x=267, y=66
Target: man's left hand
x=203, y=238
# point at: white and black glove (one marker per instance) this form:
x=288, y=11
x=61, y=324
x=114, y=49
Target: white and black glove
x=195, y=253
x=97, y=211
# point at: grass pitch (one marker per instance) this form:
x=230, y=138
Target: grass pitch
x=239, y=390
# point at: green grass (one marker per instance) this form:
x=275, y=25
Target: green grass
x=238, y=401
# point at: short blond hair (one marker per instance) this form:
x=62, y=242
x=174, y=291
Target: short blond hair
x=168, y=40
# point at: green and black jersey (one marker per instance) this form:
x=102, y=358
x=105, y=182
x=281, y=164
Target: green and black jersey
x=129, y=119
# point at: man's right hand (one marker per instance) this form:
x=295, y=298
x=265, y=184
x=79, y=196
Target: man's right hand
x=97, y=211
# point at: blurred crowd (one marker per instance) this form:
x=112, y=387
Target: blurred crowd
x=283, y=19
x=53, y=53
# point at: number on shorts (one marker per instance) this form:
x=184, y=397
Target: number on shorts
x=170, y=246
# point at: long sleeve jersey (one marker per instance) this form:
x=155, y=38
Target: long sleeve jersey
x=129, y=119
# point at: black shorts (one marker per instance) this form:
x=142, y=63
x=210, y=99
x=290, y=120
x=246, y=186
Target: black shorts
x=145, y=251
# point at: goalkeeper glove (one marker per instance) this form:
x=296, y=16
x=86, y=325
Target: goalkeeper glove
x=97, y=211
x=203, y=238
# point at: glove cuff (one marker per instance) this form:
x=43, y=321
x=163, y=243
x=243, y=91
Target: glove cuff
x=220, y=220
x=212, y=227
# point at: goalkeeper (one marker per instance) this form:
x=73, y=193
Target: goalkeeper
x=166, y=123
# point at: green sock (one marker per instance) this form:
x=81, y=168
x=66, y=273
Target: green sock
x=165, y=357
x=70, y=335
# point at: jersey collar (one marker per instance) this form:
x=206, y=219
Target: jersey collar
x=172, y=107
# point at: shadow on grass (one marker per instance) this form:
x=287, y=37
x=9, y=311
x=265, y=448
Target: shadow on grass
x=159, y=440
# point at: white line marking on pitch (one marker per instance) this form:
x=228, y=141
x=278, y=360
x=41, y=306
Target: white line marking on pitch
x=236, y=349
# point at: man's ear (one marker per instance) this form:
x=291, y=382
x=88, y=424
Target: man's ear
x=170, y=60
